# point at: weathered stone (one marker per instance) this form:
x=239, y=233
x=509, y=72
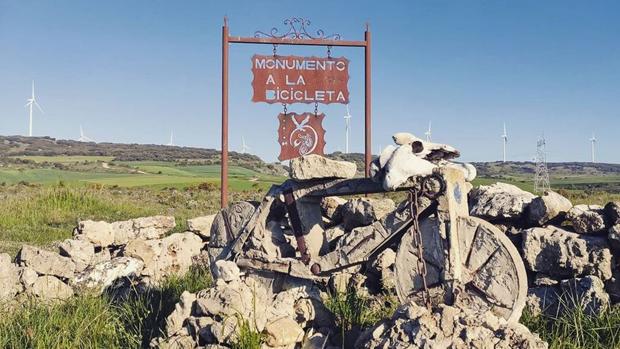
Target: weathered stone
x=613, y=235
x=145, y=228
x=99, y=233
x=587, y=292
x=587, y=218
x=315, y=166
x=172, y=255
x=153, y=227
x=237, y=215
x=50, y=288
x=612, y=212
x=144, y=250
x=101, y=256
x=273, y=241
x=46, y=262
x=499, y=201
x=548, y=207
x=363, y=211
x=9, y=278
x=283, y=331
x=102, y=275
x=226, y=270
x=557, y=252
x=81, y=252
x=182, y=310
x=316, y=341
x=333, y=233
x=612, y=286
x=331, y=207
x=312, y=226
x=201, y=225
x=384, y=265
x=413, y=326
x=27, y=276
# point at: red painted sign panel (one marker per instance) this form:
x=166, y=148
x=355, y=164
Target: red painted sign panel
x=300, y=134
x=295, y=79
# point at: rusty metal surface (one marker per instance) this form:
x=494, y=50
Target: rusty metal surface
x=224, y=162
x=297, y=79
x=296, y=29
x=368, y=104
x=300, y=134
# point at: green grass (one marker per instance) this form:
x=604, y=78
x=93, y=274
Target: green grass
x=352, y=310
x=98, y=322
x=41, y=215
x=577, y=330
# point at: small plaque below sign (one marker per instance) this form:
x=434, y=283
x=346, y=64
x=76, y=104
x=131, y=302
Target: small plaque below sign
x=300, y=134
x=295, y=79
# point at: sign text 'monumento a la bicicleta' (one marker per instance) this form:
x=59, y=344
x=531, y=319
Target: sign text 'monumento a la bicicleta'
x=295, y=79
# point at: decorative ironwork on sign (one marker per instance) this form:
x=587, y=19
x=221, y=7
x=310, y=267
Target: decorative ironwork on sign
x=295, y=79
x=300, y=134
x=296, y=30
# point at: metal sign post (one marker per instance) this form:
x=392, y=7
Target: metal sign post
x=296, y=34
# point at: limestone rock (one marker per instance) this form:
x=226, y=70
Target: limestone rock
x=413, y=326
x=282, y=332
x=612, y=286
x=499, y=201
x=238, y=214
x=315, y=166
x=182, y=310
x=46, y=262
x=27, y=276
x=331, y=207
x=103, y=275
x=145, y=228
x=81, y=252
x=201, y=225
x=612, y=212
x=9, y=278
x=99, y=233
x=153, y=227
x=226, y=270
x=557, y=252
x=50, y=288
x=589, y=292
x=333, y=233
x=587, y=218
x=171, y=255
x=363, y=211
x=550, y=206
x=613, y=235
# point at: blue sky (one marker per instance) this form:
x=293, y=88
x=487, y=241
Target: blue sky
x=132, y=71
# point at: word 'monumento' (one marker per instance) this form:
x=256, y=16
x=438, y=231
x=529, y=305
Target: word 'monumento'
x=294, y=79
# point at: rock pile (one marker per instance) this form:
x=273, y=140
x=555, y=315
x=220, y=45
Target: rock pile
x=285, y=310
x=570, y=251
x=97, y=257
x=413, y=326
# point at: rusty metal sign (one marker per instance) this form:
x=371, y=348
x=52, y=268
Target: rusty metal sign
x=296, y=79
x=300, y=134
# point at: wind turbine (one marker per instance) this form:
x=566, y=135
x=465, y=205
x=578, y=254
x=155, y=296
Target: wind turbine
x=428, y=132
x=347, y=123
x=593, y=143
x=171, y=143
x=504, y=141
x=30, y=102
x=244, y=146
x=83, y=138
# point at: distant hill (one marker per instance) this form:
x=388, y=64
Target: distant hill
x=11, y=146
x=556, y=169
